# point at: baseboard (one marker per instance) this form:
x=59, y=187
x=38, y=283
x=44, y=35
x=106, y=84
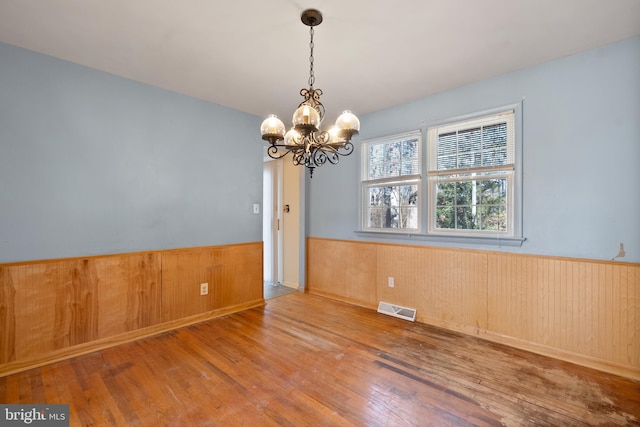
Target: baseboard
x=291, y=285
x=342, y=298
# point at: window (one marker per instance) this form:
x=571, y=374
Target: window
x=391, y=183
x=463, y=184
x=471, y=167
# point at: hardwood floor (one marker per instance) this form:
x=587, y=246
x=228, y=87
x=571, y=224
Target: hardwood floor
x=305, y=360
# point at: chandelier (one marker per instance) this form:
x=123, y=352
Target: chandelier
x=308, y=145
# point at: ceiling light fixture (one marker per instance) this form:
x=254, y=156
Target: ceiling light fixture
x=309, y=145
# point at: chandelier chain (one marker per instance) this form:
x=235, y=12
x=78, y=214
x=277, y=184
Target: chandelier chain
x=312, y=77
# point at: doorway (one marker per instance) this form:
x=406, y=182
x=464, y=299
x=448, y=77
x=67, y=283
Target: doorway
x=271, y=230
x=281, y=227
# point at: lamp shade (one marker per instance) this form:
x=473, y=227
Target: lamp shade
x=348, y=121
x=272, y=125
x=335, y=137
x=307, y=116
x=292, y=137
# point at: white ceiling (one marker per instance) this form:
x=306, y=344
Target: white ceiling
x=253, y=55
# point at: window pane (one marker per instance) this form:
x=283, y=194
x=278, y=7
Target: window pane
x=469, y=160
x=475, y=147
x=494, y=157
x=393, y=207
x=447, y=144
x=493, y=218
x=471, y=204
x=445, y=193
x=494, y=144
x=376, y=161
x=391, y=159
x=445, y=217
x=375, y=197
x=464, y=192
x=465, y=218
x=469, y=140
x=410, y=157
x=494, y=136
x=405, y=217
x=378, y=217
x=492, y=191
x=394, y=158
x=447, y=162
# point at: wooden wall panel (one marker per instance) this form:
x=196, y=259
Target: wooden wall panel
x=242, y=271
x=583, y=307
x=60, y=304
x=583, y=311
x=182, y=273
x=342, y=269
x=130, y=292
x=55, y=309
x=633, y=314
x=55, y=306
x=234, y=275
x=7, y=316
x=445, y=286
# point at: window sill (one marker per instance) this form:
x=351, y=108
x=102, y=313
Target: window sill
x=478, y=240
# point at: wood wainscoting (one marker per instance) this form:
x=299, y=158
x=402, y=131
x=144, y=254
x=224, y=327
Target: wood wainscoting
x=55, y=309
x=582, y=311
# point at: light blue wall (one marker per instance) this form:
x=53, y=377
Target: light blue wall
x=91, y=163
x=581, y=154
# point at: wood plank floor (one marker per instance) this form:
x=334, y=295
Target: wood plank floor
x=303, y=360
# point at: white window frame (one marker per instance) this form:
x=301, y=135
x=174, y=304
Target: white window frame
x=426, y=208
x=509, y=171
x=413, y=179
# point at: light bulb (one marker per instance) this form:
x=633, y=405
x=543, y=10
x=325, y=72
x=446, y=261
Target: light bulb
x=306, y=115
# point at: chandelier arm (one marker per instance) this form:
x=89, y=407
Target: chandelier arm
x=300, y=158
x=321, y=155
x=347, y=149
x=342, y=149
x=318, y=158
x=274, y=153
x=323, y=138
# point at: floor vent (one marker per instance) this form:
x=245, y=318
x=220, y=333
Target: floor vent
x=397, y=311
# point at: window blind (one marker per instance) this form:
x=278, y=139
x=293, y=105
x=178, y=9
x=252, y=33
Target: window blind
x=487, y=143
